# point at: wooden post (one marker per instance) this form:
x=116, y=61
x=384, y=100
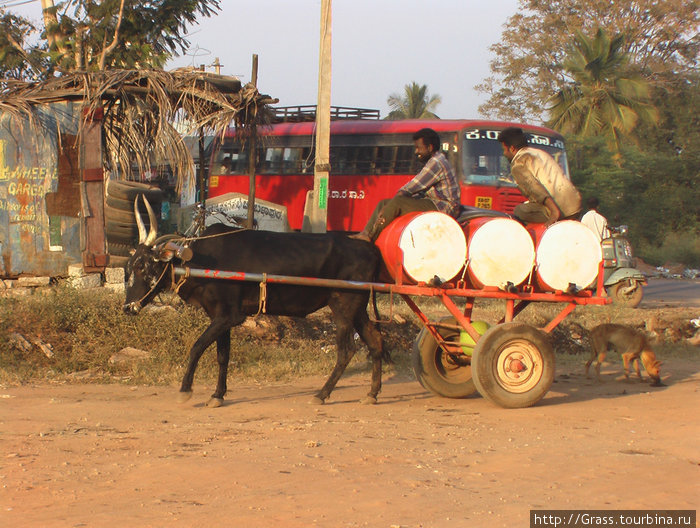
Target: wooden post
x=252, y=145
x=201, y=181
x=318, y=210
x=95, y=256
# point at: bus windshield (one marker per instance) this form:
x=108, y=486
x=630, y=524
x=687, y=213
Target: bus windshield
x=483, y=162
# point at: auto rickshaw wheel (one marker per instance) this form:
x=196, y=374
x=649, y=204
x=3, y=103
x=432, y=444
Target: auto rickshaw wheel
x=625, y=294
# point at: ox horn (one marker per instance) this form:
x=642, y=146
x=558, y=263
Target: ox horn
x=144, y=238
x=139, y=221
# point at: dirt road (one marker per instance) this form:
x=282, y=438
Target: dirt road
x=110, y=455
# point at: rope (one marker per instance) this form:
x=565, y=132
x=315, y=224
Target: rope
x=177, y=285
x=262, y=305
x=195, y=238
x=156, y=284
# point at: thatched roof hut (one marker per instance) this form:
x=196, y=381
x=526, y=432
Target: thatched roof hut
x=60, y=139
x=145, y=112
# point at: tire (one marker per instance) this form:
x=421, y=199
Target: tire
x=628, y=299
x=119, y=250
x=125, y=241
x=128, y=205
x=495, y=355
x=119, y=216
x=448, y=375
x=126, y=190
x=120, y=230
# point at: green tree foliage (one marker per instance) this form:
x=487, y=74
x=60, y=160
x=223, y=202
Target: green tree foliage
x=414, y=103
x=660, y=37
x=652, y=182
x=605, y=97
x=654, y=187
x=17, y=59
x=101, y=34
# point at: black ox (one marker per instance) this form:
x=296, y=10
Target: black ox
x=228, y=303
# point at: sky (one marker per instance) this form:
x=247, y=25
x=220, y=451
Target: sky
x=378, y=46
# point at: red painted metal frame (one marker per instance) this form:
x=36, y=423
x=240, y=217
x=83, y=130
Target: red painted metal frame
x=446, y=293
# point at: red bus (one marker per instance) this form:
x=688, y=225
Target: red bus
x=370, y=160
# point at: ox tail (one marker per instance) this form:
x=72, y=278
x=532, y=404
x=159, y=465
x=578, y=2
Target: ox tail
x=374, y=305
x=386, y=356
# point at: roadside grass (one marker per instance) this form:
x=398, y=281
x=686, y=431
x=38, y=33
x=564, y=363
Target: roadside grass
x=86, y=328
x=682, y=247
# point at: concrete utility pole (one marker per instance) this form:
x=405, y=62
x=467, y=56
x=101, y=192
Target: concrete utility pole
x=318, y=208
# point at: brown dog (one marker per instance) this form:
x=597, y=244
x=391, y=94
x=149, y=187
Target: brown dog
x=630, y=343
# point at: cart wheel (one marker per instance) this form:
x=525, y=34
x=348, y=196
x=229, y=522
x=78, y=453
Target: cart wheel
x=513, y=365
x=448, y=375
x=622, y=295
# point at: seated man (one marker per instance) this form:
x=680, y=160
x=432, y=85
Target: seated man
x=434, y=188
x=551, y=194
x=595, y=221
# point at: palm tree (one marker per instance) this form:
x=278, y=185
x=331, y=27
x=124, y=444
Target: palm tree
x=605, y=98
x=413, y=104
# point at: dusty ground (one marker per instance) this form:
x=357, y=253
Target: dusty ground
x=114, y=455
x=111, y=455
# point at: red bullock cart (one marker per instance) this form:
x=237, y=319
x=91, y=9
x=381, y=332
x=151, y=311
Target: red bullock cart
x=425, y=255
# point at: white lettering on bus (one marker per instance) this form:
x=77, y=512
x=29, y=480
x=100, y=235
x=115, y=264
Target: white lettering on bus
x=353, y=195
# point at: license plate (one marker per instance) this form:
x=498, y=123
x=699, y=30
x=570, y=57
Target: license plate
x=484, y=202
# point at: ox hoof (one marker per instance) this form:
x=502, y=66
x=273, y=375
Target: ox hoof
x=215, y=402
x=369, y=400
x=184, y=396
x=316, y=401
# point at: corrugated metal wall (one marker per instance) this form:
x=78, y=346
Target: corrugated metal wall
x=40, y=197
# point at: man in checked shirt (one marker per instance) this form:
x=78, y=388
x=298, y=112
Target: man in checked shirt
x=434, y=188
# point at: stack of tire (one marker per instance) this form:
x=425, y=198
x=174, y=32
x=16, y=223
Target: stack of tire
x=121, y=230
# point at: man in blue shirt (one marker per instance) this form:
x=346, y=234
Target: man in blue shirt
x=434, y=188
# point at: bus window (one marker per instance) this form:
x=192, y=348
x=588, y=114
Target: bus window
x=271, y=161
x=406, y=162
x=296, y=160
x=364, y=159
x=483, y=162
x=352, y=160
x=230, y=160
x=385, y=162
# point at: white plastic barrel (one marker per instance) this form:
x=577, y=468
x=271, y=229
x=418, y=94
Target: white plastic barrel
x=500, y=251
x=423, y=245
x=568, y=253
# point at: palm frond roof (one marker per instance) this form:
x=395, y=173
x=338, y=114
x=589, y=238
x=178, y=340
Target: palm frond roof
x=146, y=112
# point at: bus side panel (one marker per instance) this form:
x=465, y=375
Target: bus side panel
x=353, y=198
